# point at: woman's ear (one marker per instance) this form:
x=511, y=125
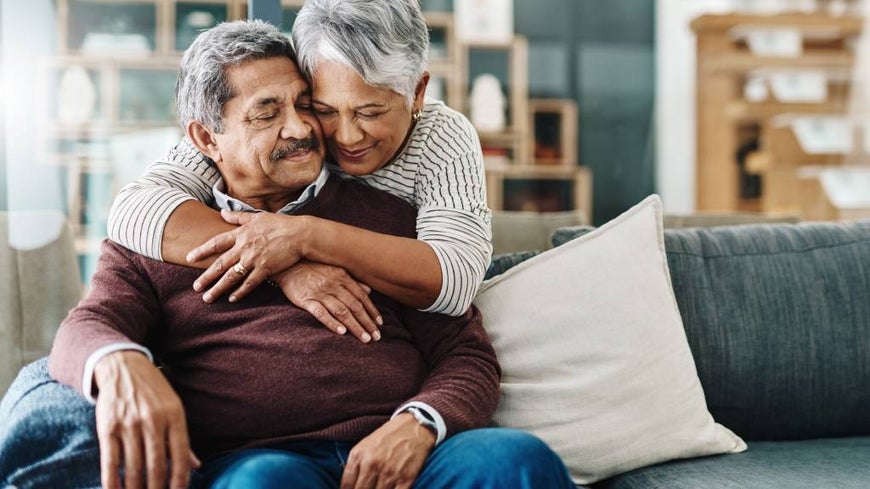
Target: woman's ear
x=204, y=140
x=420, y=92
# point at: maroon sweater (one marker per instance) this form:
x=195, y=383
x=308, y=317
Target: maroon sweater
x=262, y=370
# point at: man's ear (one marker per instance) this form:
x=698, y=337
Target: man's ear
x=204, y=140
x=420, y=92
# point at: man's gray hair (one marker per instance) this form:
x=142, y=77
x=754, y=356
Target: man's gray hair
x=202, y=86
x=385, y=41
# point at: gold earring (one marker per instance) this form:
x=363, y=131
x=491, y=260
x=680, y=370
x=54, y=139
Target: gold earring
x=416, y=115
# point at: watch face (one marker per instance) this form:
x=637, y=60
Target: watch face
x=423, y=419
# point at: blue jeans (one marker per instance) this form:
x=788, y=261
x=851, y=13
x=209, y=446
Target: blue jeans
x=48, y=439
x=476, y=459
x=48, y=434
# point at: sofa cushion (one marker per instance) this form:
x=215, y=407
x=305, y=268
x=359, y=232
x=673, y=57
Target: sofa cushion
x=505, y=261
x=520, y=231
x=811, y=464
x=594, y=357
x=39, y=284
x=778, y=319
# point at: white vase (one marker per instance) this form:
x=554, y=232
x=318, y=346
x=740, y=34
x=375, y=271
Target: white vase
x=77, y=96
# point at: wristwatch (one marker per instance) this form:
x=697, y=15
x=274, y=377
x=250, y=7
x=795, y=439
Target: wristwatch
x=423, y=418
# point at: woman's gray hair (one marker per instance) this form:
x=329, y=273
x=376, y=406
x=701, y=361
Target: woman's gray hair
x=202, y=86
x=385, y=41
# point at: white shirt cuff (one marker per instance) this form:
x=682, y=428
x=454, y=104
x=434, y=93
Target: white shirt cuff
x=95, y=357
x=439, y=421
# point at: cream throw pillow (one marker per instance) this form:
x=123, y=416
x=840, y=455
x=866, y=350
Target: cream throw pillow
x=594, y=356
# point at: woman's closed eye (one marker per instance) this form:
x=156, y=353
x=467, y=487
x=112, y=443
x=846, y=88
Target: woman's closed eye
x=370, y=115
x=320, y=112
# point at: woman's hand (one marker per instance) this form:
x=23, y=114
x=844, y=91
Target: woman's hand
x=332, y=296
x=263, y=245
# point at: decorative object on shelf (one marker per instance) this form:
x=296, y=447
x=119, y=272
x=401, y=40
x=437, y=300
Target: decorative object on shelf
x=509, y=63
x=77, y=96
x=780, y=42
x=114, y=37
x=755, y=89
x=823, y=134
x=485, y=21
x=837, y=8
x=799, y=86
x=194, y=22
x=115, y=44
x=495, y=158
x=846, y=187
x=776, y=6
x=488, y=104
x=193, y=18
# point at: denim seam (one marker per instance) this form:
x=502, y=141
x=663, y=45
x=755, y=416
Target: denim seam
x=27, y=392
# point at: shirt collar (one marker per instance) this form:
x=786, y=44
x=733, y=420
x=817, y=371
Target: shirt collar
x=224, y=201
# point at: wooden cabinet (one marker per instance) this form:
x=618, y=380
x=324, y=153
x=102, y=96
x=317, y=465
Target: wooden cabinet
x=737, y=102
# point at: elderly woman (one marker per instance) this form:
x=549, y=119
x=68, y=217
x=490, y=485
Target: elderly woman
x=366, y=62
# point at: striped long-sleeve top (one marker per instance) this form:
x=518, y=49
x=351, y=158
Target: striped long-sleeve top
x=439, y=172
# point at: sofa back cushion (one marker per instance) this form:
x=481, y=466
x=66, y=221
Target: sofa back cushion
x=516, y=231
x=778, y=320
x=39, y=284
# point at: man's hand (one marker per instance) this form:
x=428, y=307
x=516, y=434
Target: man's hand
x=264, y=244
x=391, y=457
x=332, y=296
x=140, y=418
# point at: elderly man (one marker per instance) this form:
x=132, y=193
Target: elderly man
x=258, y=390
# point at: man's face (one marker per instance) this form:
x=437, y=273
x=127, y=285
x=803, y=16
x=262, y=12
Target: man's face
x=270, y=148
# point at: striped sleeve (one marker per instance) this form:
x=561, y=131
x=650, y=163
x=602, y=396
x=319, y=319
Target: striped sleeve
x=463, y=244
x=142, y=208
x=453, y=217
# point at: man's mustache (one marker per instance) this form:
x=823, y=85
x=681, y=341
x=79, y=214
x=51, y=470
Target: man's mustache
x=293, y=146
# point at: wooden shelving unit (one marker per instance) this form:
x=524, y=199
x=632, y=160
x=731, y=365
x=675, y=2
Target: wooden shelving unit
x=447, y=59
x=577, y=178
x=515, y=137
x=724, y=62
x=131, y=49
x=553, y=127
x=515, y=147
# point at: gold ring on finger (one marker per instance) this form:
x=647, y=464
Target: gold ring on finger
x=240, y=269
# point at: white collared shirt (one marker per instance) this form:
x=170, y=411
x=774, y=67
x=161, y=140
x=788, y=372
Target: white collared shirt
x=224, y=201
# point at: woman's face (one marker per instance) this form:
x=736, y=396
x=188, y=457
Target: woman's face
x=363, y=126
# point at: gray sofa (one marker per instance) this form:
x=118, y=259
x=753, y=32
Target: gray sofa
x=39, y=284
x=778, y=321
